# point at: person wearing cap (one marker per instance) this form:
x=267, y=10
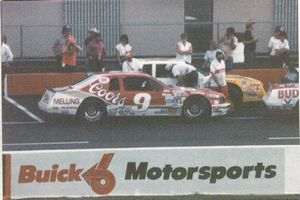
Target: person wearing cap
x=122, y=49
x=227, y=44
x=218, y=74
x=277, y=47
x=130, y=64
x=250, y=44
x=185, y=74
x=69, y=50
x=184, y=49
x=57, y=47
x=95, y=50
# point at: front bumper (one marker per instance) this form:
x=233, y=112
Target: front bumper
x=220, y=109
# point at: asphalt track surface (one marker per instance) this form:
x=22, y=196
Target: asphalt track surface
x=250, y=125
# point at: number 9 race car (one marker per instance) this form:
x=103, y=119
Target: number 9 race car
x=131, y=94
x=241, y=89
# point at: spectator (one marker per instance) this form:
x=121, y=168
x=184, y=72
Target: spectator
x=95, y=50
x=57, y=48
x=6, y=59
x=184, y=49
x=218, y=74
x=250, y=45
x=283, y=49
x=210, y=55
x=122, y=49
x=227, y=44
x=185, y=74
x=131, y=64
x=69, y=50
x=278, y=46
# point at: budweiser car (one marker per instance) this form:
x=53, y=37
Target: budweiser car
x=241, y=88
x=283, y=97
x=131, y=94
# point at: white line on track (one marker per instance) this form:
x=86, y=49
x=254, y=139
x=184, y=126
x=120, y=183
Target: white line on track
x=15, y=123
x=243, y=118
x=25, y=110
x=45, y=143
x=284, y=138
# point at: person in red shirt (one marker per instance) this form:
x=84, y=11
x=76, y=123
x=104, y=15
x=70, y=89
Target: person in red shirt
x=69, y=50
x=96, y=50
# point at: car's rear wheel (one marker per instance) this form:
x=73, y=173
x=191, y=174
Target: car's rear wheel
x=92, y=110
x=235, y=95
x=196, y=108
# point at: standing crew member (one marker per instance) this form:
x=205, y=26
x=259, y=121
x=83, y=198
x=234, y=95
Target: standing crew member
x=186, y=74
x=130, y=64
x=184, y=49
x=218, y=73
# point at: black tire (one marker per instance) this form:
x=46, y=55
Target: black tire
x=235, y=95
x=92, y=110
x=196, y=108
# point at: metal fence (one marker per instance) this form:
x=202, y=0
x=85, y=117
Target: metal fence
x=147, y=39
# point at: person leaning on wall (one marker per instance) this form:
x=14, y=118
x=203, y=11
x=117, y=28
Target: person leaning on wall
x=184, y=49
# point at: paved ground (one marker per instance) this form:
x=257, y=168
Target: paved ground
x=248, y=126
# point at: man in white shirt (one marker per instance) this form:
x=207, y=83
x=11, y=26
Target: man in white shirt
x=218, y=74
x=131, y=64
x=184, y=49
x=6, y=59
x=186, y=74
x=278, y=47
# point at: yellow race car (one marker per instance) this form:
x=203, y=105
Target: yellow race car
x=244, y=89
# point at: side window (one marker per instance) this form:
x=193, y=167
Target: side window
x=161, y=71
x=147, y=69
x=140, y=84
x=114, y=84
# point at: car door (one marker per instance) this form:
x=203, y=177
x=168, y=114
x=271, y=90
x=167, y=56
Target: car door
x=143, y=96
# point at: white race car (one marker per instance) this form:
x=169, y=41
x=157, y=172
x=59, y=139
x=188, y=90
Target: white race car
x=284, y=96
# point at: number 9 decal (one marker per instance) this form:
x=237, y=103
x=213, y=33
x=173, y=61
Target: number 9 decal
x=142, y=100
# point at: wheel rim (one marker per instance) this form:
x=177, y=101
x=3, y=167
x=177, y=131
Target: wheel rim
x=194, y=110
x=93, y=112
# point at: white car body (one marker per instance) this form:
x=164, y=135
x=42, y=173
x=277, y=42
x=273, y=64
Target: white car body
x=282, y=97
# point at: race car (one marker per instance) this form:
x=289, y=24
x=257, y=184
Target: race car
x=241, y=88
x=131, y=94
x=284, y=96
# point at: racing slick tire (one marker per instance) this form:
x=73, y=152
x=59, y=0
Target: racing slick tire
x=92, y=110
x=235, y=95
x=296, y=108
x=196, y=108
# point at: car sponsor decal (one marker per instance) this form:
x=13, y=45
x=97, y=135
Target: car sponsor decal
x=98, y=177
x=287, y=95
x=66, y=101
x=98, y=90
x=104, y=80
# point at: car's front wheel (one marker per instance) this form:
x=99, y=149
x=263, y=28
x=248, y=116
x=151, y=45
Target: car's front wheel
x=196, y=108
x=92, y=110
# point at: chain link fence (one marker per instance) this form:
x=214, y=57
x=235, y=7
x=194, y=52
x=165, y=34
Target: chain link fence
x=148, y=40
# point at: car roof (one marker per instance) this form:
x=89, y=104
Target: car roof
x=120, y=73
x=159, y=60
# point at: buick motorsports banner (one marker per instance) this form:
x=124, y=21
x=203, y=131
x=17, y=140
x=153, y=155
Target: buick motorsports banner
x=146, y=171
